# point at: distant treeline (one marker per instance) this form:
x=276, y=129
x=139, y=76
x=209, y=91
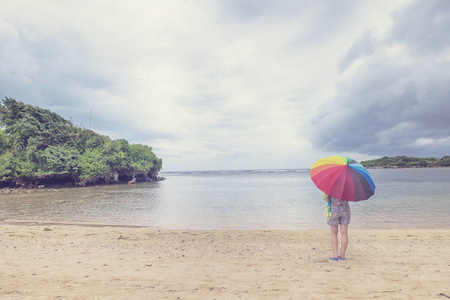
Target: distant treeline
x=37, y=142
x=407, y=162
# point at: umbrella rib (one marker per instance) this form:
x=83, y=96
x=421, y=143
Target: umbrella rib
x=349, y=189
x=342, y=178
x=326, y=179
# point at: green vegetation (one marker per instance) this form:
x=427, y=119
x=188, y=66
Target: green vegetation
x=407, y=162
x=36, y=142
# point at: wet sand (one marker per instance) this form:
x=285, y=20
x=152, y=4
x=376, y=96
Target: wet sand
x=54, y=261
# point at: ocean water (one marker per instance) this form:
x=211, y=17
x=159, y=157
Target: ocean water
x=250, y=199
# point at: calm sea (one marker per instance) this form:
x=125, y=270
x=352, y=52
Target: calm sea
x=253, y=199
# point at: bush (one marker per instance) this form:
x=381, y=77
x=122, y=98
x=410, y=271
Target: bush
x=92, y=162
x=12, y=166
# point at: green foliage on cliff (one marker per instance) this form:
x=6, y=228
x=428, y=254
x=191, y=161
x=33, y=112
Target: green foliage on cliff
x=36, y=141
x=407, y=162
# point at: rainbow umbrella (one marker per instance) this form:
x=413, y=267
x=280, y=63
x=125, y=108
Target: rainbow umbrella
x=342, y=178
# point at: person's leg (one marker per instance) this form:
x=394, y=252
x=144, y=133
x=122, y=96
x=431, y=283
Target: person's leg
x=334, y=240
x=344, y=239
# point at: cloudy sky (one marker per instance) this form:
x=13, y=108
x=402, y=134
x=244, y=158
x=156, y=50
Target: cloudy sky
x=238, y=84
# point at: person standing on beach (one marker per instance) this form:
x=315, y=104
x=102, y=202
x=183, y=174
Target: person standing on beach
x=340, y=217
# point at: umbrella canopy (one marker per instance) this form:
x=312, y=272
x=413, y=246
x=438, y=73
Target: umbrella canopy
x=342, y=178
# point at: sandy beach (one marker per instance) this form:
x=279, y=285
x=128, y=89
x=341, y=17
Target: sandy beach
x=55, y=261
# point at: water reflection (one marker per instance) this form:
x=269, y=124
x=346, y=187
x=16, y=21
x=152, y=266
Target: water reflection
x=240, y=200
x=116, y=204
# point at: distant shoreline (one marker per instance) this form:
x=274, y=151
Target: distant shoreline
x=412, y=167
x=396, y=162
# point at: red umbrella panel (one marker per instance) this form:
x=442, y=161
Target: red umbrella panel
x=342, y=178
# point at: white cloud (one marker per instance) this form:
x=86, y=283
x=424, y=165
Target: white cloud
x=209, y=85
x=432, y=142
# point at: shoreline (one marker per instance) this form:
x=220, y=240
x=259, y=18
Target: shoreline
x=97, y=262
x=40, y=223
x=55, y=188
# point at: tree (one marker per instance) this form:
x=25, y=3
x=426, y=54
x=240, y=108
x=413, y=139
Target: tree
x=23, y=121
x=14, y=166
x=88, y=139
x=445, y=161
x=141, y=157
x=59, y=159
x=37, y=141
x=4, y=142
x=116, y=154
x=93, y=162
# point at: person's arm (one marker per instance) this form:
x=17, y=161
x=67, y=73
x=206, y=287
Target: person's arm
x=326, y=198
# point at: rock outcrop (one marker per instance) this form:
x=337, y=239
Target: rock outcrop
x=125, y=175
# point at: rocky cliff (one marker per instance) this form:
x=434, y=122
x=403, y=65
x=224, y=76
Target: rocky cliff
x=124, y=175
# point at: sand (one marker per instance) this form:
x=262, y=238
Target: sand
x=57, y=261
